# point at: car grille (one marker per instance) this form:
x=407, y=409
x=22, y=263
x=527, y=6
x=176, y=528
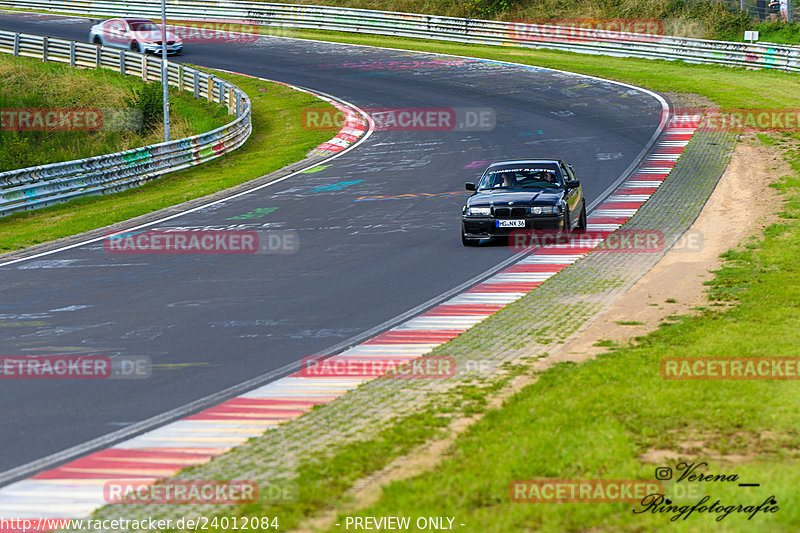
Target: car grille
x=509, y=212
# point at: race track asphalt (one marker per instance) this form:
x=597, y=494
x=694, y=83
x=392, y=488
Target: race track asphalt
x=208, y=322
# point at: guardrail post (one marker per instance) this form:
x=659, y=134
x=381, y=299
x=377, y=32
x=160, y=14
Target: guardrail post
x=238, y=106
x=72, y=53
x=210, y=89
x=231, y=101
x=172, y=68
x=181, y=84
x=16, y=44
x=122, y=62
x=144, y=68
x=196, y=84
x=45, y=40
x=98, y=57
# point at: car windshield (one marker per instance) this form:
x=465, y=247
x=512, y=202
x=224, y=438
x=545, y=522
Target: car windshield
x=538, y=177
x=142, y=25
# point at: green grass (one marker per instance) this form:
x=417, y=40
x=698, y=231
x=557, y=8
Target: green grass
x=769, y=32
x=606, y=343
x=728, y=87
x=277, y=140
x=323, y=480
x=715, y=19
x=708, y=19
x=320, y=480
x=29, y=83
x=595, y=420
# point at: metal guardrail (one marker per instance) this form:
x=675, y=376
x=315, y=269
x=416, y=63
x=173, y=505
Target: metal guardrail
x=622, y=44
x=41, y=186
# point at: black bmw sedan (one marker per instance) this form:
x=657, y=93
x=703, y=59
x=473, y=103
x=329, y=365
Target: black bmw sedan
x=528, y=194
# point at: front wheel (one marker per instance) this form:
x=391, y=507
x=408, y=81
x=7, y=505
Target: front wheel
x=135, y=47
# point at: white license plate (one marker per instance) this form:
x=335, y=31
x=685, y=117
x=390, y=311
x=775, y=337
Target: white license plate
x=510, y=223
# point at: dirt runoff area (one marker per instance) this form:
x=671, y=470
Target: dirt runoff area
x=741, y=205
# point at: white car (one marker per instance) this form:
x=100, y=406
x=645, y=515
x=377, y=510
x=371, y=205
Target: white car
x=137, y=35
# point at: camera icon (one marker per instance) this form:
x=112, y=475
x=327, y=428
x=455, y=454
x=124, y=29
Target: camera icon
x=663, y=473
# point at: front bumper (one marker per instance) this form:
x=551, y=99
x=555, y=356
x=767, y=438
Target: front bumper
x=484, y=227
x=156, y=48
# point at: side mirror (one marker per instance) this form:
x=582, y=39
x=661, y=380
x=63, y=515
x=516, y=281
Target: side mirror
x=470, y=186
x=572, y=184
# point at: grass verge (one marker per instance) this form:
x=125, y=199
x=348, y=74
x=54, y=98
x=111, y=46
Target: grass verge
x=600, y=419
x=319, y=481
x=278, y=139
x=616, y=418
x=727, y=86
x=30, y=83
x=709, y=19
x=768, y=32
x=699, y=20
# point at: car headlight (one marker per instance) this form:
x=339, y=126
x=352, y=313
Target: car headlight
x=546, y=210
x=478, y=211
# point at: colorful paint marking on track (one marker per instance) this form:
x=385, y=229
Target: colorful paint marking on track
x=410, y=195
x=75, y=489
